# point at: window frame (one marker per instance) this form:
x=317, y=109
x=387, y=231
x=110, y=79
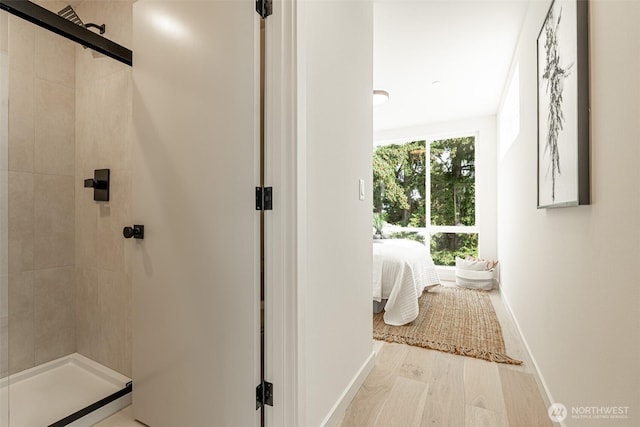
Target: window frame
x=429, y=230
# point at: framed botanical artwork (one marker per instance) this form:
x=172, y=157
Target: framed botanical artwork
x=563, y=106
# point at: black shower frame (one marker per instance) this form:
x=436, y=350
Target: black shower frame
x=51, y=21
x=94, y=406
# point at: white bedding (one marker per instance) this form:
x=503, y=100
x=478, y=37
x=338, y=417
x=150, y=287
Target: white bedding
x=402, y=269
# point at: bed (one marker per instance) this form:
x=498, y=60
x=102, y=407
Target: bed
x=402, y=269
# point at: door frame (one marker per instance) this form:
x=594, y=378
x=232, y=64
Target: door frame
x=285, y=225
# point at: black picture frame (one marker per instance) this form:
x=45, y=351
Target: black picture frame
x=563, y=155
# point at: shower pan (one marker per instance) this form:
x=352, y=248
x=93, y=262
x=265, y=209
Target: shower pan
x=65, y=335
x=73, y=390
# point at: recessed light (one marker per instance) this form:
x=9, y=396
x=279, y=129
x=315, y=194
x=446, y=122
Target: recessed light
x=380, y=96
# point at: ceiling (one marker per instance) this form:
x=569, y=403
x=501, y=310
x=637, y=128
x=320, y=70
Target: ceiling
x=465, y=45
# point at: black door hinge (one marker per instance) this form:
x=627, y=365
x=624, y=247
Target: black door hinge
x=264, y=8
x=264, y=198
x=264, y=394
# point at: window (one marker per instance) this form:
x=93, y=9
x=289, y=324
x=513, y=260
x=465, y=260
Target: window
x=425, y=191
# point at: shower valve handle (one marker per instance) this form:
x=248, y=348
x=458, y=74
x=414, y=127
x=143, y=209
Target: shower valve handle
x=94, y=183
x=137, y=232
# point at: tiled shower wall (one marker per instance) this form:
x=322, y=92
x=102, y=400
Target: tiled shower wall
x=70, y=113
x=41, y=196
x=103, y=140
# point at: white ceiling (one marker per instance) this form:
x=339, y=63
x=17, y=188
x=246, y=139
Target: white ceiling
x=466, y=45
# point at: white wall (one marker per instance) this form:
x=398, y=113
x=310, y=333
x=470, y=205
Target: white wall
x=335, y=328
x=486, y=148
x=571, y=275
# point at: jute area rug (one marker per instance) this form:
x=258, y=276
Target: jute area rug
x=453, y=320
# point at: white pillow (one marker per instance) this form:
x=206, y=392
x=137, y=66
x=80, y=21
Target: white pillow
x=473, y=265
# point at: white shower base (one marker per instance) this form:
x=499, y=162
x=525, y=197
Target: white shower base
x=47, y=393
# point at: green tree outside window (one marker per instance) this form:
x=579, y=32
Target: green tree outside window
x=399, y=190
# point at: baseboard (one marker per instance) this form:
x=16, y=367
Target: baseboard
x=546, y=394
x=338, y=410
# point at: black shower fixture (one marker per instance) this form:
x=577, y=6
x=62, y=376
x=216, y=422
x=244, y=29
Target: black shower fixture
x=100, y=185
x=71, y=15
x=74, y=31
x=137, y=232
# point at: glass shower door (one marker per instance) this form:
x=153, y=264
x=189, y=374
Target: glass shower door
x=4, y=276
x=63, y=313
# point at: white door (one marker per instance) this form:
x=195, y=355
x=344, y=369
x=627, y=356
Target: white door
x=196, y=158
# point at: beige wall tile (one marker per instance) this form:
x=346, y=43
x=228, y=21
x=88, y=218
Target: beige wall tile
x=54, y=203
x=4, y=342
x=21, y=253
x=54, y=250
x=21, y=45
x=21, y=120
x=54, y=220
x=4, y=284
x=4, y=33
x=116, y=115
x=88, y=326
x=84, y=67
x=121, y=198
x=55, y=58
x=21, y=93
x=21, y=123
x=54, y=313
x=112, y=217
x=129, y=253
x=110, y=245
x=54, y=149
x=21, y=322
x=86, y=229
x=21, y=142
x=87, y=129
x=115, y=311
x=21, y=222
x=92, y=66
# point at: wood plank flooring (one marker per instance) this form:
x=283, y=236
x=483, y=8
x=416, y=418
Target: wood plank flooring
x=412, y=386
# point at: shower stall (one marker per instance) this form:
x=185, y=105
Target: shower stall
x=65, y=282
x=91, y=149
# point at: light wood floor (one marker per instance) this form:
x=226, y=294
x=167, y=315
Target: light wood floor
x=412, y=386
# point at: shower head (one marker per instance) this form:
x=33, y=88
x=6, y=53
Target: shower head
x=69, y=14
